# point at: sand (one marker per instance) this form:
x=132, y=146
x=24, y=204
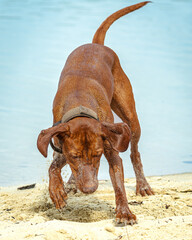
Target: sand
x=30, y=214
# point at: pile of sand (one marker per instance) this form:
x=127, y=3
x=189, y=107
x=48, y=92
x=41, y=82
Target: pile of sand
x=30, y=214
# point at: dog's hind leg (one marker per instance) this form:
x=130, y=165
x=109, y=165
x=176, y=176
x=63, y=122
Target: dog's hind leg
x=71, y=185
x=123, y=105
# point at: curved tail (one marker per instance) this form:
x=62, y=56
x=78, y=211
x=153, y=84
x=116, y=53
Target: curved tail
x=99, y=36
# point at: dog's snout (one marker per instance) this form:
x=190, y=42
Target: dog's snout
x=86, y=180
x=89, y=188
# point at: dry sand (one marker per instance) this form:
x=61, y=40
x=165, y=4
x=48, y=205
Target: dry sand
x=30, y=214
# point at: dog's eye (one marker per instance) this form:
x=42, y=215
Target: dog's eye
x=97, y=154
x=74, y=156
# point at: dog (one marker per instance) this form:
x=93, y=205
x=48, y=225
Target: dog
x=91, y=85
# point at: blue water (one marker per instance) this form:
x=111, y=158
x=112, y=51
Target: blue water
x=154, y=45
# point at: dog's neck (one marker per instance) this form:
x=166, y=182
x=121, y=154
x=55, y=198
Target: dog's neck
x=80, y=111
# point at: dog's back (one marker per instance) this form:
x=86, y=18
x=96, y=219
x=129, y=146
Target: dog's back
x=90, y=61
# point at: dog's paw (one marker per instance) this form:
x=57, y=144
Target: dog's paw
x=125, y=216
x=71, y=188
x=58, y=195
x=143, y=188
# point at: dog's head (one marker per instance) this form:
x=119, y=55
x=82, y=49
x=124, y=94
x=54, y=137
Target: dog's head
x=83, y=141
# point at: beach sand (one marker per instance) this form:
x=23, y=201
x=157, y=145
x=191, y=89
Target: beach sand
x=30, y=214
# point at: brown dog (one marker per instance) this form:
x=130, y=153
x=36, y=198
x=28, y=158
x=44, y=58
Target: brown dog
x=91, y=84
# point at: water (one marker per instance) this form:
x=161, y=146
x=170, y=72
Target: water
x=154, y=45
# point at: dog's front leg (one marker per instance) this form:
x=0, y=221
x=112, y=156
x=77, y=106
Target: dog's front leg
x=56, y=186
x=123, y=213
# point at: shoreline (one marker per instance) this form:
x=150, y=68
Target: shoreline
x=166, y=215
x=45, y=180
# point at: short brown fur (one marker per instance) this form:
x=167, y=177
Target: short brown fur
x=92, y=77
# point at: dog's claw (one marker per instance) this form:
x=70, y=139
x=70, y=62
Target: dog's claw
x=125, y=221
x=58, y=200
x=144, y=189
x=125, y=216
x=118, y=220
x=131, y=222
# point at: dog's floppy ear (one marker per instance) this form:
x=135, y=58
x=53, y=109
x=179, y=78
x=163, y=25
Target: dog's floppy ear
x=46, y=135
x=117, y=134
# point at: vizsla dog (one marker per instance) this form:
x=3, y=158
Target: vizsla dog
x=92, y=84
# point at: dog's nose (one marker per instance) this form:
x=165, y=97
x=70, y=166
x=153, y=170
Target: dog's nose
x=91, y=188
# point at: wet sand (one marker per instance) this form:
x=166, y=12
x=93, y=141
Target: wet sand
x=30, y=214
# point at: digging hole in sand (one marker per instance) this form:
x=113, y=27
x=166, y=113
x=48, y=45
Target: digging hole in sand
x=79, y=208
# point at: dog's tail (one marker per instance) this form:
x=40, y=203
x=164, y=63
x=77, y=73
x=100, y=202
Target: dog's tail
x=99, y=36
